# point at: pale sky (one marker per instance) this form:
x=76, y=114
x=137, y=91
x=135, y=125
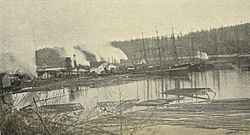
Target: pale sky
x=26, y=25
x=94, y=21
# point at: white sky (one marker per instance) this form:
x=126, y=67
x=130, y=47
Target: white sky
x=26, y=25
x=96, y=21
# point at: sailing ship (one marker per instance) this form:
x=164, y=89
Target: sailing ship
x=154, y=60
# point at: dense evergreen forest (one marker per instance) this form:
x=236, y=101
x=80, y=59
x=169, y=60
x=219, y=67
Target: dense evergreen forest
x=224, y=40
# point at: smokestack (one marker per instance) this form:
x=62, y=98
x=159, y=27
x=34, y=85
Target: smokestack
x=68, y=63
x=75, y=64
x=36, y=58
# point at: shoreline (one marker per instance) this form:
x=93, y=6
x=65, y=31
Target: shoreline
x=90, y=81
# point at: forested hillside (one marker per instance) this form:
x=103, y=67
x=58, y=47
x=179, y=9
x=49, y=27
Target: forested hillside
x=224, y=40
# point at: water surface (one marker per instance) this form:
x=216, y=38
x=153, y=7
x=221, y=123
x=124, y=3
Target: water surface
x=227, y=84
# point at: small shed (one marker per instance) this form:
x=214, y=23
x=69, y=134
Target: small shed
x=5, y=81
x=98, y=67
x=111, y=67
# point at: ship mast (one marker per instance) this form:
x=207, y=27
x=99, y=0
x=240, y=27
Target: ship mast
x=175, y=56
x=159, y=49
x=144, y=50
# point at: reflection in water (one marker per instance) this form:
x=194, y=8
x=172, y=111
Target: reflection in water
x=147, y=90
x=226, y=83
x=216, y=81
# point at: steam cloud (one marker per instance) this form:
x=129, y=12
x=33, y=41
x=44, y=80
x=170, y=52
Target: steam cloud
x=22, y=57
x=32, y=25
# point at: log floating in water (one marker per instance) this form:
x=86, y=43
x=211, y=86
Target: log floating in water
x=158, y=102
x=61, y=108
x=191, y=92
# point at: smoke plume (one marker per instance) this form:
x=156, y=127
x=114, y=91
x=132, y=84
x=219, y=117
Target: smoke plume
x=27, y=26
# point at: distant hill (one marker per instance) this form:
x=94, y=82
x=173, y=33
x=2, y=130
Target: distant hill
x=224, y=40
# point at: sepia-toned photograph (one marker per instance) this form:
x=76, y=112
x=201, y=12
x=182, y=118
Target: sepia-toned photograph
x=124, y=67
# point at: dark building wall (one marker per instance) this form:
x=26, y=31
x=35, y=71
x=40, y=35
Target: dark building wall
x=5, y=80
x=50, y=57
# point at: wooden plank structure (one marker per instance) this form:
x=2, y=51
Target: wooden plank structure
x=230, y=114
